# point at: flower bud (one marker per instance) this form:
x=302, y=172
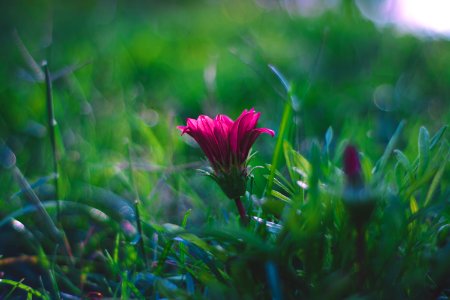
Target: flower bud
x=352, y=167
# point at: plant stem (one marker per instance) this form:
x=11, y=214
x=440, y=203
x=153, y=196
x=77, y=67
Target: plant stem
x=139, y=229
x=52, y=125
x=136, y=208
x=360, y=253
x=241, y=209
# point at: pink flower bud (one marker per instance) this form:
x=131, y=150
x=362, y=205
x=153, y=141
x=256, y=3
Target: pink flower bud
x=357, y=197
x=352, y=166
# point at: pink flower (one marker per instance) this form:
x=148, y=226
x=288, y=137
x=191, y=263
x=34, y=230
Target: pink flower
x=226, y=144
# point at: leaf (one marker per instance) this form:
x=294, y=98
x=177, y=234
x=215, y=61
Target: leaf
x=94, y=213
x=195, y=240
x=282, y=79
x=424, y=150
x=285, y=120
x=413, y=205
x=302, y=165
x=283, y=187
x=183, y=249
x=281, y=179
x=381, y=163
x=328, y=139
x=271, y=226
x=197, y=250
x=288, y=157
x=280, y=196
x=402, y=159
x=435, y=182
x=398, y=175
x=20, y=285
x=316, y=173
x=437, y=137
x=185, y=218
x=273, y=279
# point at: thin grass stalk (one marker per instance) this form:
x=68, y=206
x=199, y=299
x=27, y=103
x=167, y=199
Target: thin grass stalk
x=51, y=125
x=136, y=208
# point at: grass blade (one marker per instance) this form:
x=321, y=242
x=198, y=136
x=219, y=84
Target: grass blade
x=285, y=121
x=34, y=200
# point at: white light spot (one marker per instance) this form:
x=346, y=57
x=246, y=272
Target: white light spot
x=98, y=215
x=18, y=226
x=430, y=15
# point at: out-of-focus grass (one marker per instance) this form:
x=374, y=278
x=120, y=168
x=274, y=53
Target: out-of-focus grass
x=139, y=70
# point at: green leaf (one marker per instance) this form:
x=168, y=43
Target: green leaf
x=287, y=148
x=285, y=121
x=185, y=218
x=398, y=175
x=280, y=196
x=413, y=205
x=283, y=187
x=424, y=150
x=183, y=249
x=437, y=137
x=282, y=79
x=316, y=173
x=193, y=239
x=435, y=182
x=302, y=165
x=381, y=163
x=280, y=180
x=24, y=287
x=328, y=138
x=402, y=159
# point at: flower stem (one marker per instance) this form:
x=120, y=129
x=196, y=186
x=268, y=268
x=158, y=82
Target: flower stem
x=361, y=253
x=241, y=209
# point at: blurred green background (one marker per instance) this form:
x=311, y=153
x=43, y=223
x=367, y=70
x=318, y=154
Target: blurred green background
x=133, y=70
x=126, y=73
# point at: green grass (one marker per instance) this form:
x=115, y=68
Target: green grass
x=133, y=219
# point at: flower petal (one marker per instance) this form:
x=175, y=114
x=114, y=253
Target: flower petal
x=243, y=125
x=192, y=123
x=183, y=129
x=226, y=143
x=222, y=126
x=249, y=140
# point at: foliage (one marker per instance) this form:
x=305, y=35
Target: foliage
x=132, y=219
